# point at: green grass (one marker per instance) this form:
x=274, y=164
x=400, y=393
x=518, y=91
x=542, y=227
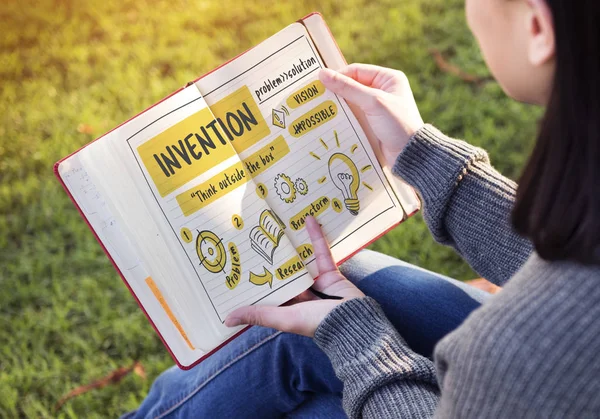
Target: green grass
x=65, y=316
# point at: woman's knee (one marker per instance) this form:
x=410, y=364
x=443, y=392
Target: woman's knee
x=366, y=263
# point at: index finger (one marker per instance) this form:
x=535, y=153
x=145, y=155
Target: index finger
x=323, y=257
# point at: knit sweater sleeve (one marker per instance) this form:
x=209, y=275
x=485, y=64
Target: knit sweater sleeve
x=382, y=376
x=466, y=203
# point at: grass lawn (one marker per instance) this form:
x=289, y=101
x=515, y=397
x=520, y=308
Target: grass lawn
x=71, y=70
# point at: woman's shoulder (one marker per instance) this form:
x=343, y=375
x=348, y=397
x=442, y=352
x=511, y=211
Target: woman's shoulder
x=541, y=288
x=532, y=341
x=543, y=292
x=543, y=302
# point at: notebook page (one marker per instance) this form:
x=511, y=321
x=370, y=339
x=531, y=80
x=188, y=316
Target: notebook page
x=333, y=58
x=215, y=223
x=316, y=159
x=93, y=205
x=141, y=222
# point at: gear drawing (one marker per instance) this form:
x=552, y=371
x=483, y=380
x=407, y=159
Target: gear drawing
x=285, y=188
x=301, y=186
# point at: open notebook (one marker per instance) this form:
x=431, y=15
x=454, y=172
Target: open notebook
x=200, y=201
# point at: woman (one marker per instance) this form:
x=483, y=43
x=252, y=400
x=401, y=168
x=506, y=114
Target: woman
x=529, y=351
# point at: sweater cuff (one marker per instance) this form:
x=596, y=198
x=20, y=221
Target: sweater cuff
x=353, y=333
x=434, y=164
x=375, y=363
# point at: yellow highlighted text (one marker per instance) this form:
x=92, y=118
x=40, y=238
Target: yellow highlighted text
x=203, y=140
x=240, y=119
x=184, y=151
x=267, y=156
x=233, y=279
x=307, y=93
x=237, y=221
x=336, y=204
x=215, y=188
x=315, y=209
x=289, y=268
x=186, y=235
x=305, y=251
x=314, y=118
x=261, y=190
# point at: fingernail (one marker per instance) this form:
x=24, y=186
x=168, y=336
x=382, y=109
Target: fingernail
x=232, y=321
x=325, y=74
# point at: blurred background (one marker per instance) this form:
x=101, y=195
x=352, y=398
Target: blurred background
x=71, y=70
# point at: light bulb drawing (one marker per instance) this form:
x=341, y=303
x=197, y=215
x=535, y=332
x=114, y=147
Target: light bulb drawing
x=345, y=177
x=343, y=172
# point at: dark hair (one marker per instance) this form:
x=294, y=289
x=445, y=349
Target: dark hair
x=558, y=199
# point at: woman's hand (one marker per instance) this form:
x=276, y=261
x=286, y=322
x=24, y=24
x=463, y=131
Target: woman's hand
x=384, y=95
x=303, y=314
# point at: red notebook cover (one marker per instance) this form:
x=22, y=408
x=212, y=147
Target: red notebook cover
x=61, y=180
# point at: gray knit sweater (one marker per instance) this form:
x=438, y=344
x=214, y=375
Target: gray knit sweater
x=533, y=350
